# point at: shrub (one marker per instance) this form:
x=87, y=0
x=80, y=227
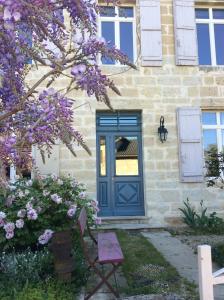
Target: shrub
x=21, y=267
x=218, y=254
x=32, y=210
x=201, y=221
x=29, y=275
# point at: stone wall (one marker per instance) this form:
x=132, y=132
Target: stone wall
x=155, y=91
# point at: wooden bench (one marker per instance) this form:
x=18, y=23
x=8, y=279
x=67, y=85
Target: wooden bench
x=108, y=252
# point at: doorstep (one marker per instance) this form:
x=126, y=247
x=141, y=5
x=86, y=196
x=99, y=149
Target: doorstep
x=133, y=222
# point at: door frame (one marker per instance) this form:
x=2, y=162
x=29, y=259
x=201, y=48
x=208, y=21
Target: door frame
x=113, y=131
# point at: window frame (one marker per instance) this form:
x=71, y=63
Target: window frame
x=116, y=19
x=218, y=127
x=211, y=22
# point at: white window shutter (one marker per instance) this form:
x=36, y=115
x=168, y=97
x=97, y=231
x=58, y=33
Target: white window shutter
x=190, y=144
x=185, y=32
x=151, y=35
x=51, y=165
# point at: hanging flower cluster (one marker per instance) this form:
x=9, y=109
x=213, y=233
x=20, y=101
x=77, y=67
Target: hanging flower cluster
x=34, y=210
x=33, y=34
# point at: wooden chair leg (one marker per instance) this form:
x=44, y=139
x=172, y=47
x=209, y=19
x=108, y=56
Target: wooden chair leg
x=104, y=280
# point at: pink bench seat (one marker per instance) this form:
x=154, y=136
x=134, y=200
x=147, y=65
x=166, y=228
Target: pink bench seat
x=109, y=250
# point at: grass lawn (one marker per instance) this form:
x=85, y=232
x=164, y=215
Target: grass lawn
x=146, y=270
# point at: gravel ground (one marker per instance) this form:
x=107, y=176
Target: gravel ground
x=195, y=240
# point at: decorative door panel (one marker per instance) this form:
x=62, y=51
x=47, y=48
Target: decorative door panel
x=119, y=161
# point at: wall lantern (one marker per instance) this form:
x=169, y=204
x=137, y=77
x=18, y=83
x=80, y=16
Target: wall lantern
x=162, y=131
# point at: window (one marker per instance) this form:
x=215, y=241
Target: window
x=117, y=26
x=210, y=34
x=213, y=137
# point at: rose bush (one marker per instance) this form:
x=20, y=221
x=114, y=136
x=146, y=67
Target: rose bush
x=32, y=210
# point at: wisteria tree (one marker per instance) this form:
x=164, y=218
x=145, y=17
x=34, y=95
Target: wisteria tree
x=39, y=114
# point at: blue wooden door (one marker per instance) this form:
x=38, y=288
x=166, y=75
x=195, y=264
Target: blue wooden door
x=119, y=160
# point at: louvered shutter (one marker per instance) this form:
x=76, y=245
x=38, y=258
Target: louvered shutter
x=190, y=144
x=151, y=36
x=185, y=32
x=51, y=165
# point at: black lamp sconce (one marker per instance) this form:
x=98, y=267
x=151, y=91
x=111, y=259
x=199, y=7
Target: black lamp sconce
x=162, y=131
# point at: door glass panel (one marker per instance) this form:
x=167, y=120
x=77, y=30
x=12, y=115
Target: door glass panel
x=103, y=166
x=126, y=156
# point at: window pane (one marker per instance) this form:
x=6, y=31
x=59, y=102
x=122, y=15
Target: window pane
x=204, y=51
x=126, y=39
x=210, y=140
x=126, y=155
x=102, y=156
x=223, y=140
x=222, y=118
x=126, y=12
x=108, y=32
x=201, y=13
x=107, y=11
x=209, y=118
x=218, y=13
x=219, y=43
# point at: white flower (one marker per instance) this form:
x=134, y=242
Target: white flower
x=29, y=205
x=46, y=193
x=74, y=183
x=29, y=182
x=2, y=215
x=20, y=223
x=21, y=213
x=26, y=192
x=56, y=198
x=20, y=194
x=60, y=182
x=53, y=177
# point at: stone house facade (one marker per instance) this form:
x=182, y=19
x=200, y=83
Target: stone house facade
x=130, y=172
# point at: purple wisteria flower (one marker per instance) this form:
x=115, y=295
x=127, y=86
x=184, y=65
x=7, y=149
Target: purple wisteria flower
x=32, y=214
x=45, y=237
x=56, y=198
x=19, y=223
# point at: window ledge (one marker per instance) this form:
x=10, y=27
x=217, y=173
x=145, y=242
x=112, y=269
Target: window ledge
x=211, y=68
